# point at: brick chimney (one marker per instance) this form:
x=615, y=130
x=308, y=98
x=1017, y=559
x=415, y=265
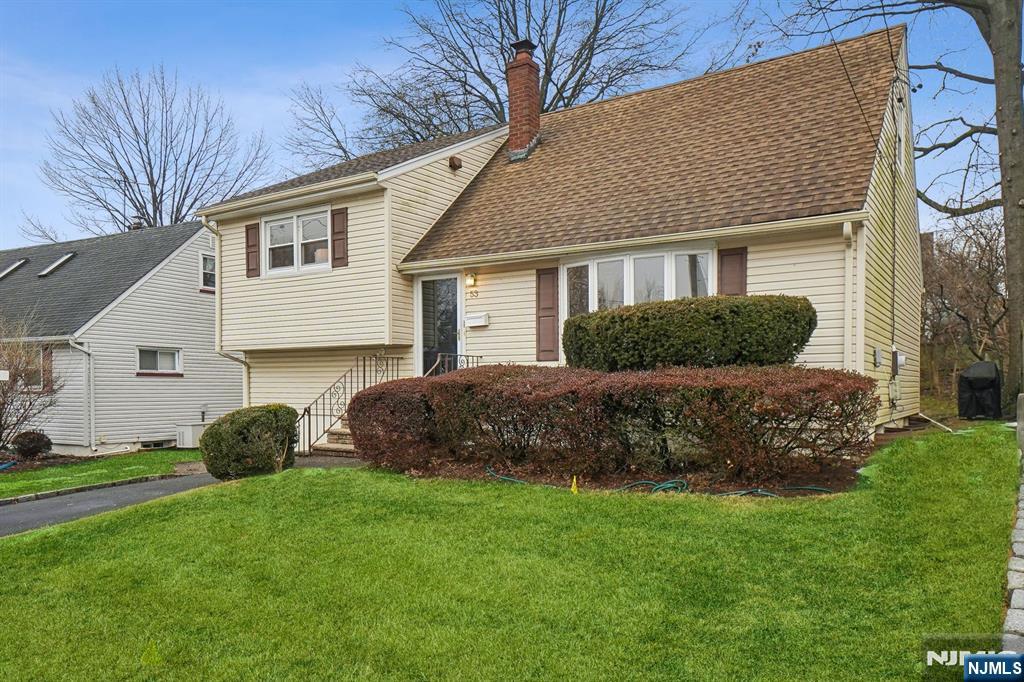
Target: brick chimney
x=523, y=77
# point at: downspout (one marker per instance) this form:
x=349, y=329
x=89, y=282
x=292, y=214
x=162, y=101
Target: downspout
x=90, y=379
x=848, y=337
x=211, y=225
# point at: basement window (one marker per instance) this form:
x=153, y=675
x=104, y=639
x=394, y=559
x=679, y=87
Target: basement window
x=57, y=263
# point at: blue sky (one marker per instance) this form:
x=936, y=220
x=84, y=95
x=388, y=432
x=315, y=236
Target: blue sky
x=251, y=54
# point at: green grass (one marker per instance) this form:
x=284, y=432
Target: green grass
x=346, y=574
x=114, y=468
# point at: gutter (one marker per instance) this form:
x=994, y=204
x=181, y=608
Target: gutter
x=756, y=229
x=304, y=194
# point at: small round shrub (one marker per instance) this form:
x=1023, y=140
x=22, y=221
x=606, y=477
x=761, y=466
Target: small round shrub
x=713, y=331
x=250, y=441
x=31, y=444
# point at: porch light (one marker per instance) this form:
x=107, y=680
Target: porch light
x=470, y=279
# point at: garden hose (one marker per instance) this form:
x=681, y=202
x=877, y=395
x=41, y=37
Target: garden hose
x=7, y=465
x=760, y=492
x=677, y=485
x=509, y=479
x=812, y=488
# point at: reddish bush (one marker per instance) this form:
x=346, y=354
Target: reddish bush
x=745, y=422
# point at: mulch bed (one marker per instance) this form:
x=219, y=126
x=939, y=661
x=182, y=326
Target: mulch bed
x=836, y=478
x=37, y=463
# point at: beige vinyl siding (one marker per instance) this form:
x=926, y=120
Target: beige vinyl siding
x=340, y=306
x=166, y=311
x=509, y=297
x=297, y=377
x=418, y=198
x=67, y=422
x=879, y=274
x=806, y=266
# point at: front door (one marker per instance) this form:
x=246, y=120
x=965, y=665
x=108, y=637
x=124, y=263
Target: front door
x=440, y=305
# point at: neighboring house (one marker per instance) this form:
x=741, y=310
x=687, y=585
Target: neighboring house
x=761, y=179
x=126, y=322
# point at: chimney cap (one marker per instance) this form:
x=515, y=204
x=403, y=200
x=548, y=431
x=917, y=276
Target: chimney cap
x=524, y=45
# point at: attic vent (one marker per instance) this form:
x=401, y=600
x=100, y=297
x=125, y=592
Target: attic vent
x=57, y=263
x=12, y=267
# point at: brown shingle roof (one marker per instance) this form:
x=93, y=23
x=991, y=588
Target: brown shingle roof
x=779, y=139
x=368, y=163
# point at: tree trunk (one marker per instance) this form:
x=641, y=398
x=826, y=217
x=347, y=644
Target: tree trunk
x=1001, y=29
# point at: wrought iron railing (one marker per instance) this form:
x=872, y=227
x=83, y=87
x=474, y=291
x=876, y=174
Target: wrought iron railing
x=449, y=362
x=331, y=406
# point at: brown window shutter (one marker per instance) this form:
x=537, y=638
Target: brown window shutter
x=252, y=250
x=547, y=314
x=732, y=272
x=339, y=237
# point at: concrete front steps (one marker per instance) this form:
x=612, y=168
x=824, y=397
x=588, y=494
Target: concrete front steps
x=338, y=443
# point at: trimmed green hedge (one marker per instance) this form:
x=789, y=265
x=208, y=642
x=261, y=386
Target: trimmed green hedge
x=250, y=441
x=710, y=331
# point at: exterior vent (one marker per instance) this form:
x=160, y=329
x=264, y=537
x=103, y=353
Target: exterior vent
x=57, y=263
x=12, y=267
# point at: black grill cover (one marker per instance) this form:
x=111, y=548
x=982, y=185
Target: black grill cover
x=979, y=392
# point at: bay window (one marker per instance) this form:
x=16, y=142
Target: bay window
x=606, y=283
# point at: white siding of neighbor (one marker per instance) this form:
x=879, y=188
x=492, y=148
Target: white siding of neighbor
x=67, y=422
x=166, y=311
x=297, y=377
x=335, y=307
x=418, y=198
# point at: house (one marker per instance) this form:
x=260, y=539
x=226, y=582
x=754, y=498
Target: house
x=126, y=322
x=793, y=175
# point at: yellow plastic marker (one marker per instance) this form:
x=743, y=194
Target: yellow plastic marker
x=575, y=489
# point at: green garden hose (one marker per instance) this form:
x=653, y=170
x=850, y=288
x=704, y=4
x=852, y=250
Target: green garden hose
x=676, y=485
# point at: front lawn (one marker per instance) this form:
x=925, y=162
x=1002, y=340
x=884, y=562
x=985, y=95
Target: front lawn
x=356, y=573
x=113, y=468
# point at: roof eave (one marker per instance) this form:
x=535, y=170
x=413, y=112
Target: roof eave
x=346, y=185
x=772, y=227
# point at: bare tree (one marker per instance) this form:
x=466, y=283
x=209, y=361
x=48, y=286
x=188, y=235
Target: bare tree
x=965, y=286
x=319, y=137
x=31, y=388
x=139, y=146
x=35, y=230
x=999, y=23
x=453, y=79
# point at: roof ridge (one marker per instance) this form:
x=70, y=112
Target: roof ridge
x=104, y=236
x=899, y=28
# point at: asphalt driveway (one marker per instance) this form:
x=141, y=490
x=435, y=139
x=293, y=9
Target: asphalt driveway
x=16, y=518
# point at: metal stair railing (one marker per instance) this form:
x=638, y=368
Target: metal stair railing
x=449, y=362
x=331, y=406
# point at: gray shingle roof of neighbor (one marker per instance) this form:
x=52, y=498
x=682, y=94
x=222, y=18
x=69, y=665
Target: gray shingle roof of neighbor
x=101, y=269
x=368, y=163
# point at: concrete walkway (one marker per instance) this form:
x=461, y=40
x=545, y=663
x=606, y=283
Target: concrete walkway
x=23, y=516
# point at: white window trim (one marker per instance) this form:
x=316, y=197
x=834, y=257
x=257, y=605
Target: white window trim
x=669, y=255
x=42, y=372
x=179, y=360
x=297, y=268
x=202, y=284
x=417, y=346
